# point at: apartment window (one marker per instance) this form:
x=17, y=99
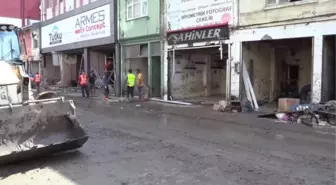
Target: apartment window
x=35, y=43
x=35, y=40
x=85, y=2
x=136, y=9
x=277, y=2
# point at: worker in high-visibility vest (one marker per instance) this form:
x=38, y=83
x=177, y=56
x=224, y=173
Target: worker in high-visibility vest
x=37, y=80
x=83, y=82
x=130, y=84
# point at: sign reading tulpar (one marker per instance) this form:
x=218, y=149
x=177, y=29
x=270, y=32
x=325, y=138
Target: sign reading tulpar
x=183, y=14
x=89, y=25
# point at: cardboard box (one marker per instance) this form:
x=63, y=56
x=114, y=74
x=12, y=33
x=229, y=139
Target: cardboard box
x=285, y=104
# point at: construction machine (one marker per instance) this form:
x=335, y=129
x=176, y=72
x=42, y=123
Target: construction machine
x=31, y=127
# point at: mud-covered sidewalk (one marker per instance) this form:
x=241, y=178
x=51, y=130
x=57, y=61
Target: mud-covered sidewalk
x=168, y=144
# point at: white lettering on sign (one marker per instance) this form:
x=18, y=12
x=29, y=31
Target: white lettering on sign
x=184, y=14
x=89, y=25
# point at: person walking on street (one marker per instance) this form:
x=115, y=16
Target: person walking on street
x=130, y=84
x=37, y=80
x=140, y=84
x=83, y=82
x=106, y=87
x=92, y=83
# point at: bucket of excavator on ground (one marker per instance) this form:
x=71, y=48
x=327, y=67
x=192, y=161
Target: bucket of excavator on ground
x=44, y=128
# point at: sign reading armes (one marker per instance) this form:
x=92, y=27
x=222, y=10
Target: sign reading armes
x=200, y=35
x=92, y=24
x=94, y=21
x=183, y=14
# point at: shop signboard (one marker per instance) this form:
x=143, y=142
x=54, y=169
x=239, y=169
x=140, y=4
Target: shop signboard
x=198, y=35
x=184, y=14
x=93, y=24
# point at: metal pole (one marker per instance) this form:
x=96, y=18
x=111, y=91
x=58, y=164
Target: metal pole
x=228, y=74
x=173, y=63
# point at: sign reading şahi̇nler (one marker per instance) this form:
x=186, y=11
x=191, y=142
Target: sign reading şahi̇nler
x=204, y=34
x=182, y=14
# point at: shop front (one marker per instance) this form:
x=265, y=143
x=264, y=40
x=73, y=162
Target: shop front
x=81, y=39
x=197, y=62
x=198, y=49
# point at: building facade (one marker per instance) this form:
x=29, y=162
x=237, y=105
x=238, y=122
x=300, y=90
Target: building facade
x=198, y=47
x=140, y=40
x=19, y=12
x=288, y=47
x=80, y=39
x=53, y=8
x=30, y=44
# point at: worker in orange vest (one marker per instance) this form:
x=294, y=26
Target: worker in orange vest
x=83, y=82
x=37, y=80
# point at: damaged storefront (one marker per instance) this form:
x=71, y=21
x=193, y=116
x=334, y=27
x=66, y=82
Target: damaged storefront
x=197, y=62
x=81, y=39
x=279, y=68
x=198, y=50
x=283, y=65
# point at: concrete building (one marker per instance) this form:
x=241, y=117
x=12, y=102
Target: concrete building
x=25, y=15
x=140, y=40
x=285, y=45
x=53, y=8
x=77, y=39
x=30, y=42
x=19, y=12
x=198, y=47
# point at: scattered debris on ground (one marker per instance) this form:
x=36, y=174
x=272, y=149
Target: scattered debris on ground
x=307, y=114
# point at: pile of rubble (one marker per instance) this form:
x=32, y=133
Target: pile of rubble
x=320, y=114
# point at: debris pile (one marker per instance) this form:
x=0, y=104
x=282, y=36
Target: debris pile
x=307, y=114
x=221, y=106
x=224, y=106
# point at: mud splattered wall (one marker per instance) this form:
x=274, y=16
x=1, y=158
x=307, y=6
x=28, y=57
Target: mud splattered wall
x=260, y=55
x=50, y=71
x=189, y=78
x=97, y=62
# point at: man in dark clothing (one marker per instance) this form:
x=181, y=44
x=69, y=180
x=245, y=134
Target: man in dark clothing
x=92, y=83
x=305, y=93
x=106, y=87
x=109, y=70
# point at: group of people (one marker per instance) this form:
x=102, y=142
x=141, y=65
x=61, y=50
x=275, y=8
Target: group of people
x=87, y=83
x=88, y=88
x=133, y=80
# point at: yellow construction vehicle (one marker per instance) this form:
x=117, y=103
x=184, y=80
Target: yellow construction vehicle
x=31, y=127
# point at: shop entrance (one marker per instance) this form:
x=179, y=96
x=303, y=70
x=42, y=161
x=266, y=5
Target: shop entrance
x=198, y=74
x=147, y=58
x=279, y=68
x=329, y=69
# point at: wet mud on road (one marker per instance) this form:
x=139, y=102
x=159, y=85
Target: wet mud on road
x=134, y=147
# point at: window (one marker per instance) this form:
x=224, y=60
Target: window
x=9, y=46
x=136, y=9
x=69, y=5
x=277, y=2
x=35, y=40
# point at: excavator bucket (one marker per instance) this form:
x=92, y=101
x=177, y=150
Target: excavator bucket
x=39, y=128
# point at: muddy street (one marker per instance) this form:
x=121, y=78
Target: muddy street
x=136, y=146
